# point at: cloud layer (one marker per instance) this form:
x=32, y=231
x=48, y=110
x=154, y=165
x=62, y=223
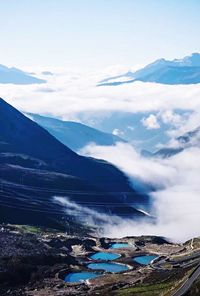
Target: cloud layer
x=68, y=94
x=176, y=202
x=71, y=93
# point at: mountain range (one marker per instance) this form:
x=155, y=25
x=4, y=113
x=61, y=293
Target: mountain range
x=177, y=71
x=17, y=76
x=35, y=166
x=131, y=128
x=74, y=135
x=187, y=140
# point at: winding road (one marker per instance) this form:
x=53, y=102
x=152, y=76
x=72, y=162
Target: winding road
x=185, y=261
x=188, y=283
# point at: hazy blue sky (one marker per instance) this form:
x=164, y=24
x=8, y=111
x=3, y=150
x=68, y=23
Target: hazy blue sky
x=97, y=33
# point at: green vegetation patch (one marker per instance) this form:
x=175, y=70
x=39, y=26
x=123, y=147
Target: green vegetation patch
x=34, y=229
x=147, y=290
x=162, y=284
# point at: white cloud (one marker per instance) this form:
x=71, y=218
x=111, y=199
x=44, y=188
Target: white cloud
x=176, y=203
x=151, y=122
x=128, y=160
x=67, y=94
x=131, y=128
x=170, y=117
x=188, y=124
x=117, y=132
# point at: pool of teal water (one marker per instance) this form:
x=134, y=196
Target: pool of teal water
x=119, y=246
x=109, y=267
x=144, y=260
x=77, y=277
x=105, y=256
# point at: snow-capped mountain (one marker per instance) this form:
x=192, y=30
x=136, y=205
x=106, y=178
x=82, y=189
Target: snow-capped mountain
x=177, y=71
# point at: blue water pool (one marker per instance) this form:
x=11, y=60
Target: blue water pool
x=110, y=267
x=105, y=256
x=144, y=260
x=76, y=277
x=119, y=246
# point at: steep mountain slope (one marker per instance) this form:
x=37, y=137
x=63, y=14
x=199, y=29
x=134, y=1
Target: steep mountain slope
x=34, y=167
x=178, y=71
x=19, y=134
x=16, y=76
x=73, y=134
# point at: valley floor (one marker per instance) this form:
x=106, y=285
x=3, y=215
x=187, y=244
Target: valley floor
x=35, y=261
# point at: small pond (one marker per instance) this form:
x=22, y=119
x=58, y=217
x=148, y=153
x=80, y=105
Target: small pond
x=76, y=277
x=119, y=245
x=109, y=267
x=144, y=260
x=105, y=256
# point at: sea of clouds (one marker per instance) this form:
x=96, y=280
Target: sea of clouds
x=67, y=94
x=177, y=201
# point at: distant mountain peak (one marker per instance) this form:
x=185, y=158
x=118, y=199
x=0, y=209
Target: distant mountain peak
x=162, y=60
x=192, y=60
x=177, y=71
x=16, y=76
x=195, y=54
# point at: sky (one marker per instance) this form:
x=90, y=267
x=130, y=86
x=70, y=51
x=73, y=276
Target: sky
x=96, y=33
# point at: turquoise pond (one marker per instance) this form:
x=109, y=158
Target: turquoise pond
x=144, y=260
x=119, y=246
x=109, y=267
x=76, y=277
x=105, y=256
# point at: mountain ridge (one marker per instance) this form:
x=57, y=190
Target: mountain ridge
x=35, y=166
x=74, y=135
x=16, y=76
x=177, y=71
